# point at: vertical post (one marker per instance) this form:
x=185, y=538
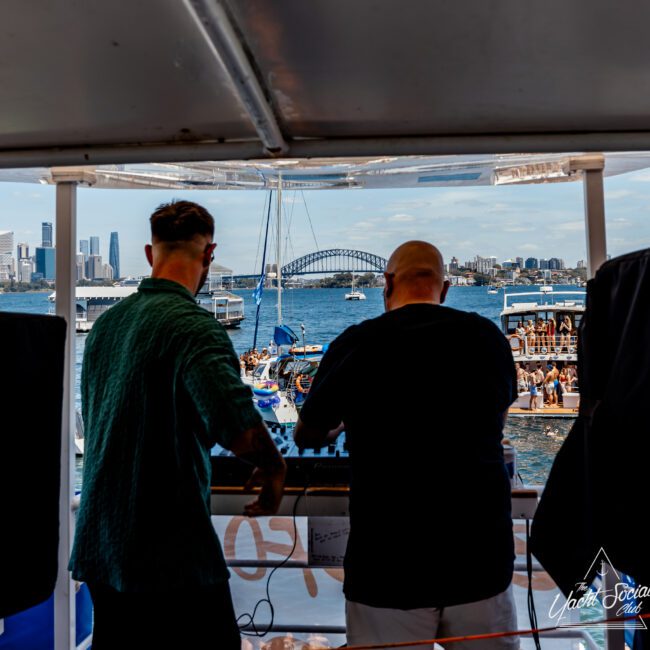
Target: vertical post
x=279, y=253
x=592, y=168
x=66, y=236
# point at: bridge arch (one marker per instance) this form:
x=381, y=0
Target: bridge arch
x=335, y=260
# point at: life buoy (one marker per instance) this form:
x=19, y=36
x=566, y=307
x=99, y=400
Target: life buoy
x=265, y=389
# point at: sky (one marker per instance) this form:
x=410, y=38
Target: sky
x=527, y=221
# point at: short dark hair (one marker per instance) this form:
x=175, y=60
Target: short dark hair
x=180, y=221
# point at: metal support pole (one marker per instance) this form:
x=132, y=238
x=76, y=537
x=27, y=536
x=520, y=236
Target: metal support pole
x=595, y=220
x=279, y=251
x=219, y=34
x=592, y=169
x=66, y=270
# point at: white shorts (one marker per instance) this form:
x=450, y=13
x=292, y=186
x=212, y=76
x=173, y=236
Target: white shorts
x=366, y=625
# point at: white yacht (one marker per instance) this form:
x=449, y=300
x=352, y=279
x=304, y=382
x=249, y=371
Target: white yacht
x=355, y=294
x=541, y=327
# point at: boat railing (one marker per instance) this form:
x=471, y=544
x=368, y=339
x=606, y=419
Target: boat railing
x=542, y=298
x=525, y=346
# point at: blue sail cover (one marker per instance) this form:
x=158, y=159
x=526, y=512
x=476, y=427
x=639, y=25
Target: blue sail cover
x=284, y=335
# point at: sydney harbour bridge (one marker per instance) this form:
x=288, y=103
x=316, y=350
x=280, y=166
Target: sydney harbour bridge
x=333, y=260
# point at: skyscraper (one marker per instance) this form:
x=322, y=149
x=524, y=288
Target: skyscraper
x=114, y=255
x=6, y=254
x=94, y=245
x=46, y=262
x=22, y=251
x=83, y=247
x=47, y=234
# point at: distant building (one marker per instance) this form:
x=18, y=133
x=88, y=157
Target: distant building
x=94, y=246
x=83, y=247
x=484, y=264
x=46, y=262
x=94, y=266
x=543, y=264
x=81, y=267
x=453, y=265
x=519, y=261
x=7, y=270
x=581, y=264
x=114, y=255
x=556, y=264
x=531, y=263
x=22, y=252
x=458, y=281
x=25, y=270
x=46, y=229
x=107, y=272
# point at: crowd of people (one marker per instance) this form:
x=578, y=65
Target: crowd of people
x=251, y=358
x=552, y=383
x=546, y=335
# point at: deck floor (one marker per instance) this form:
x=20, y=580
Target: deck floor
x=546, y=412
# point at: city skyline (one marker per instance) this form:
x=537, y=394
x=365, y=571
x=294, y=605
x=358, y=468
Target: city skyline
x=541, y=221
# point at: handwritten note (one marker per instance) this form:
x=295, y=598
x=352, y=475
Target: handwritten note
x=328, y=538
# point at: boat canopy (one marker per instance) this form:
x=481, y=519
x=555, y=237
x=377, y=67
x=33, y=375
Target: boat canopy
x=149, y=81
x=350, y=173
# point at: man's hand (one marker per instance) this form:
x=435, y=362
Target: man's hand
x=255, y=446
x=310, y=437
x=270, y=496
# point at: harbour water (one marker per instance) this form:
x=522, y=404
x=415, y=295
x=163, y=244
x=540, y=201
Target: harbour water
x=324, y=314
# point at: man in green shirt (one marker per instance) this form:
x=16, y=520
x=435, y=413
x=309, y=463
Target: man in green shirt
x=161, y=386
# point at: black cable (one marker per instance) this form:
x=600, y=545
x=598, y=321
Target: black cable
x=532, y=613
x=251, y=617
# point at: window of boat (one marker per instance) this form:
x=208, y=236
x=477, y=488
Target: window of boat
x=259, y=371
x=298, y=366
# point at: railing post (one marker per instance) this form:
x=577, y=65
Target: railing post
x=66, y=180
x=66, y=235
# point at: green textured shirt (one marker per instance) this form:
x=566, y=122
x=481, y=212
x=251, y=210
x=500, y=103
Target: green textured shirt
x=160, y=386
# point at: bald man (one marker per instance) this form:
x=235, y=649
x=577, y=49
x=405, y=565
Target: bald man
x=430, y=552
x=160, y=387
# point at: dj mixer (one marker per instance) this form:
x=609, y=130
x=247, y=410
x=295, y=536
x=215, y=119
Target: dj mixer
x=325, y=467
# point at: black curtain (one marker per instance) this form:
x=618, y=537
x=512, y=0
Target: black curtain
x=31, y=393
x=597, y=493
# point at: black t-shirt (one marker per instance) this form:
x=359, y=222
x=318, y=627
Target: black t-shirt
x=422, y=391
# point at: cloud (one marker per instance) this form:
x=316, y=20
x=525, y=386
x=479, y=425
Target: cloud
x=401, y=217
x=617, y=194
x=518, y=229
x=570, y=226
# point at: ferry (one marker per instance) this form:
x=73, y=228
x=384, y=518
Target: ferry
x=92, y=302
x=525, y=321
x=226, y=307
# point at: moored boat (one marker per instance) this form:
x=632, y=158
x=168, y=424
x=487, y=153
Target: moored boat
x=541, y=327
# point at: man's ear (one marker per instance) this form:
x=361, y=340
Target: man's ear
x=443, y=293
x=389, y=285
x=148, y=251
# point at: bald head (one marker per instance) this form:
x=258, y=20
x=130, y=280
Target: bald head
x=415, y=273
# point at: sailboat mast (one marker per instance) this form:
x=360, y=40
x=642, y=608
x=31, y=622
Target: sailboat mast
x=279, y=251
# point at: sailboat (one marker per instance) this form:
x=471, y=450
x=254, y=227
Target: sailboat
x=280, y=382
x=355, y=294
